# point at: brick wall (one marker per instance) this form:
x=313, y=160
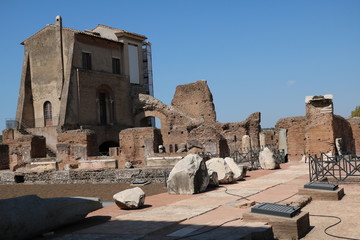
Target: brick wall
x=295, y=136
x=355, y=126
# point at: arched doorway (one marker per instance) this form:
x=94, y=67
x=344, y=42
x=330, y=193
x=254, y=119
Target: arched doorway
x=104, y=147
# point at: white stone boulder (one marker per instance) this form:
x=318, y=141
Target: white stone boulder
x=218, y=165
x=238, y=170
x=130, y=199
x=188, y=176
x=29, y=216
x=267, y=159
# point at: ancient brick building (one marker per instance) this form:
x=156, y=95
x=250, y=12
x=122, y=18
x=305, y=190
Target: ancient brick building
x=89, y=79
x=317, y=132
x=187, y=125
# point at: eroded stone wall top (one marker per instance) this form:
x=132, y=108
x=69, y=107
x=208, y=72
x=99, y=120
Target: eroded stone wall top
x=195, y=99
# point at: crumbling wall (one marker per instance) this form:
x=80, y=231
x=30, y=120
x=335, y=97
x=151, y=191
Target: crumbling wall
x=319, y=130
x=295, y=135
x=74, y=145
x=267, y=137
x=138, y=143
x=189, y=123
x=23, y=148
x=195, y=100
x=355, y=126
x=233, y=132
x=342, y=129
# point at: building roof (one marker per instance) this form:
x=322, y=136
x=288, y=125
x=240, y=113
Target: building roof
x=120, y=33
x=94, y=33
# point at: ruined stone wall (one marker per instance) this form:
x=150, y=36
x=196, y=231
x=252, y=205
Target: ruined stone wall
x=295, y=136
x=138, y=143
x=233, y=132
x=267, y=137
x=319, y=131
x=189, y=124
x=158, y=175
x=355, y=126
x=74, y=145
x=24, y=148
x=342, y=129
x=195, y=100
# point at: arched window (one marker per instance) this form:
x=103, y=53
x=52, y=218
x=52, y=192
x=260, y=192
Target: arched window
x=47, y=114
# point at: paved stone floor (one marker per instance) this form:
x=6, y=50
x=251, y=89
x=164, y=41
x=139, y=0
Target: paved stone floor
x=215, y=214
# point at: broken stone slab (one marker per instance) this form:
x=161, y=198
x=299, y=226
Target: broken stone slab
x=29, y=216
x=130, y=199
x=188, y=176
x=238, y=170
x=218, y=165
x=214, y=181
x=267, y=159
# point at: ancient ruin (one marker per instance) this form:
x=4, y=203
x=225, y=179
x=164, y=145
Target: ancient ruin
x=85, y=103
x=318, y=131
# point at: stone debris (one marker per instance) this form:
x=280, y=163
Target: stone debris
x=29, y=216
x=218, y=165
x=238, y=170
x=267, y=159
x=245, y=204
x=133, y=198
x=188, y=176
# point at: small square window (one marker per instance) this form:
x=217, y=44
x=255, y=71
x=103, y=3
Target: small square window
x=86, y=60
x=116, y=65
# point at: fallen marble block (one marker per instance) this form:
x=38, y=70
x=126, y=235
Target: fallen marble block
x=130, y=199
x=29, y=216
x=238, y=170
x=218, y=165
x=188, y=176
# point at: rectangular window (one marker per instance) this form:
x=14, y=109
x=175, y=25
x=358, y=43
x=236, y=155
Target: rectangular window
x=86, y=60
x=116, y=65
x=134, y=64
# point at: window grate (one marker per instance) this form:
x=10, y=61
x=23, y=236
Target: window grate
x=276, y=210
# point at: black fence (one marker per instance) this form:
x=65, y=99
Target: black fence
x=337, y=167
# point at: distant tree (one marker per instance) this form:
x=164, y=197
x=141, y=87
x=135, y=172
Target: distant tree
x=356, y=112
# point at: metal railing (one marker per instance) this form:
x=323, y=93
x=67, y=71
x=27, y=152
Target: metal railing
x=337, y=167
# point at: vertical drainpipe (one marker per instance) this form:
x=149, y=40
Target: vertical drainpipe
x=78, y=94
x=60, y=39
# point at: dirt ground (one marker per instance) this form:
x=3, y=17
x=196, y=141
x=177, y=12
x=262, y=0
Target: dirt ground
x=103, y=191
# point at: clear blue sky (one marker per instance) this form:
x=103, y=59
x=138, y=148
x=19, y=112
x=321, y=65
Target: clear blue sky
x=257, y=55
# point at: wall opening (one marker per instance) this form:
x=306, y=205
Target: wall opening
x=104, y=147
x=47, y=114
x=105, y=105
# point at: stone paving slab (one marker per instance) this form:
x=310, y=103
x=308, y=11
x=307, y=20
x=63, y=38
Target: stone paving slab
x=209, y=211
